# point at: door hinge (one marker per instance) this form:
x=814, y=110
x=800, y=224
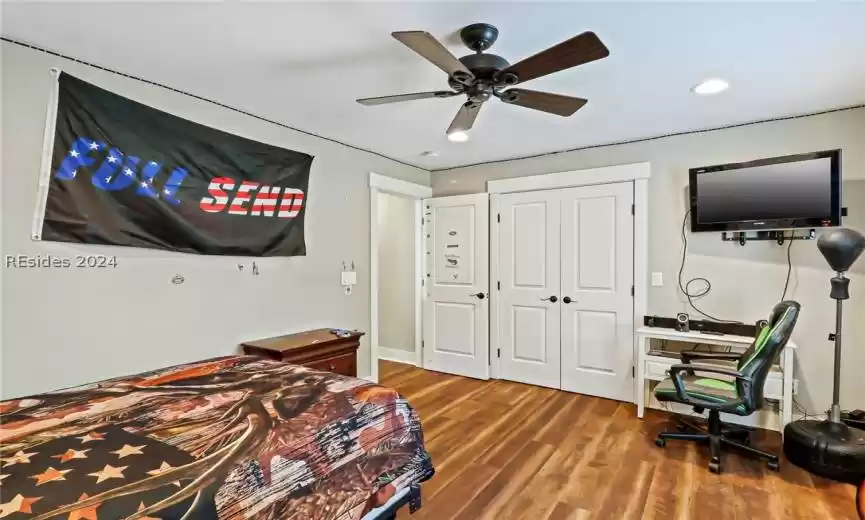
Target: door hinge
x=633, y=371
x=421, y=344
x=498, y=217
x=498, y=352
x=422, y=282
x=633, y=209
x=632, y=290
x=499, y=286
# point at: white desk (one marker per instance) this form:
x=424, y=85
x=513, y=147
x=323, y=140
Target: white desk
x=779, y=384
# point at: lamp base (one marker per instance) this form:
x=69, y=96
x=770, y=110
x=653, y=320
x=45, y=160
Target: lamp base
x=829, y=449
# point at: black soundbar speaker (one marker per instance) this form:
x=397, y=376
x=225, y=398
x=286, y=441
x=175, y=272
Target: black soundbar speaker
x=709, y=327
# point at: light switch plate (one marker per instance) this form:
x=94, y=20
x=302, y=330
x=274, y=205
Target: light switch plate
x=657, y=279
x=349, y=277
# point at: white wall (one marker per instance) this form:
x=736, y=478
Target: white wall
x=748, y=280
x=65, y=327
x=396, y=304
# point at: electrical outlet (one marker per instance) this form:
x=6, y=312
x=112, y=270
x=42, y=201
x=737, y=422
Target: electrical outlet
x=657, y=279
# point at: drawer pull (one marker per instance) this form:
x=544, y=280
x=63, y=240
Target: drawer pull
x=332, y=367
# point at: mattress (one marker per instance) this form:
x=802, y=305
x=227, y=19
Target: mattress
x=234, y=438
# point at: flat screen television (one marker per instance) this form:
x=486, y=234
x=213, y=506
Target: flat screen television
x=794, y=191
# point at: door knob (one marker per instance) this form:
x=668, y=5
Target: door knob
x=553, y=299
x=479, y=296
x=566, y=299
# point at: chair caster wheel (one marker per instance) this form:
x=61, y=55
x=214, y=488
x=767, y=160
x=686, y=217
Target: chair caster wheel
x=660, y=442
x=715, y=467
x=774, y=465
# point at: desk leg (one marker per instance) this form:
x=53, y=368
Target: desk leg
x=787, y=404
x=640, y=382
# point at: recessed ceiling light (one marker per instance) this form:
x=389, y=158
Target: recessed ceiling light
x=430, y=153
x=458, y=137
x=711, y=86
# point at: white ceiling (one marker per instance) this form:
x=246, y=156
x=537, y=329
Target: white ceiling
x=305, y=63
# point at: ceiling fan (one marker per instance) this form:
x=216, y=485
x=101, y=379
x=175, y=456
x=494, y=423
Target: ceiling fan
x=481, y=76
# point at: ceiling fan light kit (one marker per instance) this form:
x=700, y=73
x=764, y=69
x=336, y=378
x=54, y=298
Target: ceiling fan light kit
x=482, y=76
x=458, y=136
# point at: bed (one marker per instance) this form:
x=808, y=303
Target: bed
x=232, y=438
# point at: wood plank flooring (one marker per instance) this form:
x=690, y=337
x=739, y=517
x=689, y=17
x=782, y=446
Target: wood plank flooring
x=506, y=450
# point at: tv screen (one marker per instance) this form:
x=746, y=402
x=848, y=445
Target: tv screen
x=779, y=193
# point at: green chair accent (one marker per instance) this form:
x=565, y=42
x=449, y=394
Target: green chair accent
x=742, y=396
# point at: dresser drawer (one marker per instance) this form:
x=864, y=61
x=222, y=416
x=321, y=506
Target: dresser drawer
x=321, y=349
x=774, y=387
x=657, y=371
x=345, y=365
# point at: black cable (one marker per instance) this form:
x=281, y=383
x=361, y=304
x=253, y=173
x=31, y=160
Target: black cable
x=34, y=47
x=696, y=347
x=196, y=96
x=805, y=414
x=686, y=287
x=789, y=265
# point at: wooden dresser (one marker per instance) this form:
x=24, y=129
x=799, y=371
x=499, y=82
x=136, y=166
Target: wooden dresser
x=320, y=349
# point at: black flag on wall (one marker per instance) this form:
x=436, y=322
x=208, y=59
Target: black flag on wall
x=123, y=173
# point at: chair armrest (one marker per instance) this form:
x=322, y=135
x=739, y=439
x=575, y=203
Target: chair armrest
x=688, y=355
x=679, y=383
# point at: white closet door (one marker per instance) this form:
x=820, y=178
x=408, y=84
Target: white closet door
x=456, y=303
x=529, y=318
x=597, y=276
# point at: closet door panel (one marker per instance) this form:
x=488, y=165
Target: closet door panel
x=529, y=299
x=597, y=243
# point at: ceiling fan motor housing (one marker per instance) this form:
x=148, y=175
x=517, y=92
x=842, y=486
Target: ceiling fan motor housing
x=485, y=68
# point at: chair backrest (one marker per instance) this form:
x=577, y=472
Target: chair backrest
x=757, y=361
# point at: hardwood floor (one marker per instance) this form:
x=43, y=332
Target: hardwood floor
x=506, y=450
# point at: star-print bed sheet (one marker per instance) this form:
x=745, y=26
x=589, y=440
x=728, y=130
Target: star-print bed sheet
x=234, y=438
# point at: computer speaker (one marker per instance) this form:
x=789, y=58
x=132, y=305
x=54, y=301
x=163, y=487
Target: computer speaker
x=682, y=322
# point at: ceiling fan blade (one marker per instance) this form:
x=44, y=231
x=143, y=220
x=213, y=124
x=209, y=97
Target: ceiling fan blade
x=580, y=49
x=405, y=97
x=544, y=101
x=465, y=118
x=428, y=47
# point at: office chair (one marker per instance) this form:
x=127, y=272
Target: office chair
x=742, y=397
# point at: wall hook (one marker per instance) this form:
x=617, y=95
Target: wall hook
x=178, y=279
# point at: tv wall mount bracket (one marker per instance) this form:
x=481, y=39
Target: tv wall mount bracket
x=778, y=236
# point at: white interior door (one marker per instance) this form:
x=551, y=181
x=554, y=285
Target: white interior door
x=528, y=301
x=456, y=283
x=597, y=301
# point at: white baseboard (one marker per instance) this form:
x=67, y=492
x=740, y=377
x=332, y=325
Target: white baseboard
x=398, y=355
